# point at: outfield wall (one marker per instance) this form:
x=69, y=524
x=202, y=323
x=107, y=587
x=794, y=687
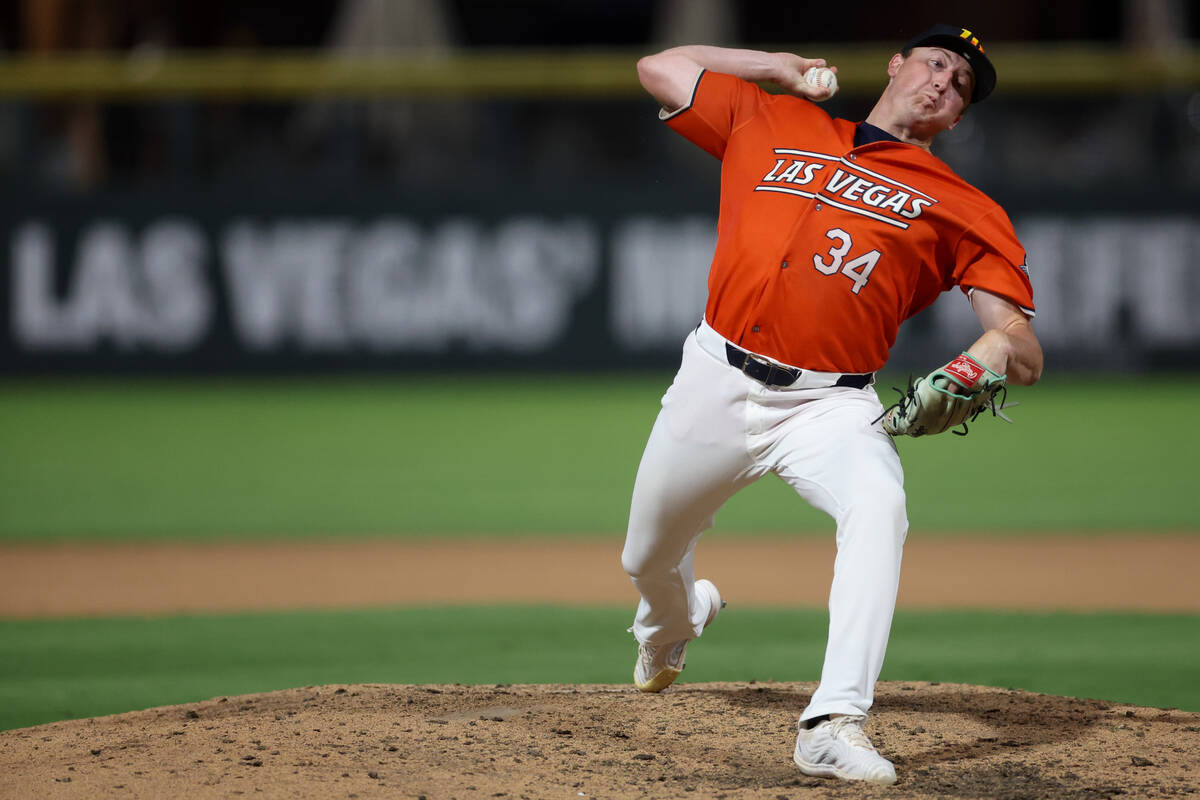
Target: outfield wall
x=601, y=276
x=263, y=212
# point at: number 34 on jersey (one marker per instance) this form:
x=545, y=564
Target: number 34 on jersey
x=857, y=269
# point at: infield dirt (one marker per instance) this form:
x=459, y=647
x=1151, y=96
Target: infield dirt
x=721, y=741
x=1129, y=573
x=724, y=741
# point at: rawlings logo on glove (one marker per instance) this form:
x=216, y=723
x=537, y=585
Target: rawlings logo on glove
x=952, y=395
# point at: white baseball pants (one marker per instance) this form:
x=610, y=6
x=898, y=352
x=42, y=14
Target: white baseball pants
x=719, y=431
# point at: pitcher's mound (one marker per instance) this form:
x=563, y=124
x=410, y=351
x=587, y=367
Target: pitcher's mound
x=703, y=740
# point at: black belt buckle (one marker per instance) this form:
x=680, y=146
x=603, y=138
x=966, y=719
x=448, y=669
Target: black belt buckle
x=762, y=371
x=777, y=375
x=774, y=375
x=855, y=381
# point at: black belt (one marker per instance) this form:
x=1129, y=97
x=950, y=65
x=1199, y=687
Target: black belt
x=774, y=375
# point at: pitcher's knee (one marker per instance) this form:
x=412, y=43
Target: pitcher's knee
x=645, y=561
x=637, y=561
x=632, y=563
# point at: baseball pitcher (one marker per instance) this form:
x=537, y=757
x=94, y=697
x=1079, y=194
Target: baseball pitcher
x=831, y=234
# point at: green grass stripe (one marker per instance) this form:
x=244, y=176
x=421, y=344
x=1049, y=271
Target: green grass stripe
x=62, y=669
x=419, y=455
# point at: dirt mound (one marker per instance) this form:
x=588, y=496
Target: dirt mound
x=718, y=740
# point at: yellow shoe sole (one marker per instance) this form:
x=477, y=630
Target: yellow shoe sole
x=662, y=680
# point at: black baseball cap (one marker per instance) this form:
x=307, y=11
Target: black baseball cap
x=966, y=44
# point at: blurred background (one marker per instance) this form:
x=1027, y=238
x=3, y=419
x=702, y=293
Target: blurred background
x=412, y=185
x=422, y=269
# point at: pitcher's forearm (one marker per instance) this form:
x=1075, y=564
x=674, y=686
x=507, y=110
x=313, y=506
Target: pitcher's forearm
x=751, y=65
x=670, y=76
x=1012, y=350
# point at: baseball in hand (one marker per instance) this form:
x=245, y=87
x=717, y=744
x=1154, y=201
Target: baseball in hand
x=824, y=77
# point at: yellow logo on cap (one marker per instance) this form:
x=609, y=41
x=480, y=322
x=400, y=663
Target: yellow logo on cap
x=966, y=34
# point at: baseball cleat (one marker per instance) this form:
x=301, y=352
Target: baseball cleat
x=659, y=665
x=838, y=748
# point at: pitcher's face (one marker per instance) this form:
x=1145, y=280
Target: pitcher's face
x=930, y=89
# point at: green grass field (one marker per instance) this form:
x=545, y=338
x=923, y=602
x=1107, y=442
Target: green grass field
x=538, y=454
x=420, y=456
x=76, y=668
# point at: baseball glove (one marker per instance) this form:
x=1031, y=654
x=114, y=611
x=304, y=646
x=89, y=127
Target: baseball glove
x=952, y=395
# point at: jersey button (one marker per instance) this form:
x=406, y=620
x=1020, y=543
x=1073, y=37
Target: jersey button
x=783, y=265
x=755, y=329
x=818, y=206
x=853, y=157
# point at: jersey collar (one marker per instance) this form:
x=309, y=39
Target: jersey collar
x=866, y=133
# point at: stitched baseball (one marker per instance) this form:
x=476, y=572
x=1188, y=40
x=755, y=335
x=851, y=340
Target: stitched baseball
x=822, y=77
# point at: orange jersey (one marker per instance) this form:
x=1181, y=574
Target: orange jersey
x=824, y=248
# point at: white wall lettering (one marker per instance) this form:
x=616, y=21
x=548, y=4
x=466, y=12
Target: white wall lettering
x=393, y=286
x=137, y=292
x=1102, y=282
x=659, y=279
x=461, y=284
